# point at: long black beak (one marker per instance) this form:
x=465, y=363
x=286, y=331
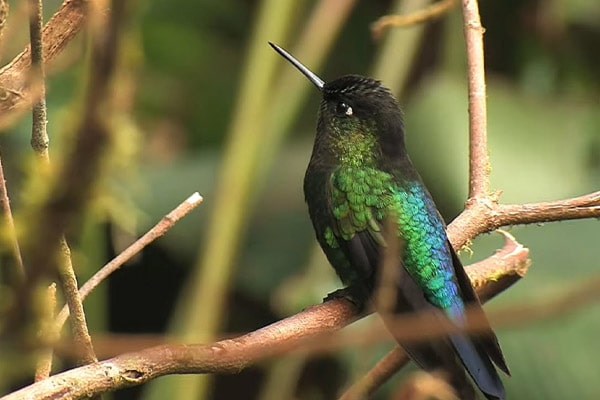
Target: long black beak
x=318, y=82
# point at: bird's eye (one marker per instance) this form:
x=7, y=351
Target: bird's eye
x=344, y=109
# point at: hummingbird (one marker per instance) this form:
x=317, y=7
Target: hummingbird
x=359, y=178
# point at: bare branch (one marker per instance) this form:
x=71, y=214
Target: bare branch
x=4, y=9
x=17, y=271
x=378, y=375
x=39, y=143
x=485, y=214
x=39, y=136
x=433, y=11
x=479, y=168
x=44, y=364
x=227, y=356
x=72, y=186
x=58, y=32
x=68, y=281
x=312, y=326
x=587, y=206
x=157, y=231
x=493, y=275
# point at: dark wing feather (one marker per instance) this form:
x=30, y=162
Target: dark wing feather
x=488, y=341
x=364, y=252
x=479, y=366
x=433, y=354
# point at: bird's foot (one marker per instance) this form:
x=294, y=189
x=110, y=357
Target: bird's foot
x=354, y=295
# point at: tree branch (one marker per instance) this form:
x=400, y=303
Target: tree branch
x=385, y=368
x=58, y=32
x=433, y=11
x=157, y=231
x=485, y=214
x=479, y=168
x=587, y=206
x=37, y=80
x=39, y=143
x=44, y=364
x=72, y=185
x=68, y=282
x=313, y=325
x=16, y=271
x=3, y=16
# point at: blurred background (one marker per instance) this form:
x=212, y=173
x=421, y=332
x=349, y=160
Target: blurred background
x=209, y=107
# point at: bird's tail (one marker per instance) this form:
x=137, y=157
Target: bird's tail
x=477, y=362
x=452, y=354
x=437, y=356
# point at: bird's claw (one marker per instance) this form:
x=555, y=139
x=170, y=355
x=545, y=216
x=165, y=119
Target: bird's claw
x=351, y=294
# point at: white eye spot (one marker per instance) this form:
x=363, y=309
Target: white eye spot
x=343, y=109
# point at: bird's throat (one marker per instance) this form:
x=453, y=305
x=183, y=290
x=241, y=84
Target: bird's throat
x=354, y=148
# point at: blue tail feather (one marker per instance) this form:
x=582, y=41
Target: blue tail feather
x=479, y=366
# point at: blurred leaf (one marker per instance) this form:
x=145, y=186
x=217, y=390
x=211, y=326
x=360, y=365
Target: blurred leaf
x=587, y=11
x=552, y=359
x=536, y=145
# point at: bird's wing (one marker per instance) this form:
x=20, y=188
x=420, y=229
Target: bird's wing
x=364, y=249
x=359, y=229
x=357, y=212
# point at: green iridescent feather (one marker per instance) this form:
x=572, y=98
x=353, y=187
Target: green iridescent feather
x=363, y=197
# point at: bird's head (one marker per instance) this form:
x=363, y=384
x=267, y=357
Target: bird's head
x=358, y=116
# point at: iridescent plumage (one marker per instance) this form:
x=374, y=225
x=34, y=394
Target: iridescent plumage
x=359, y=181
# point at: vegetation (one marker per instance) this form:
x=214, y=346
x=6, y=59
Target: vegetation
x=149, y=102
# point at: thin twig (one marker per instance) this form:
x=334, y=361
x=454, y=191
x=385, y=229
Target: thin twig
x=479, y=168
x=433, y=11
x=483, y=270
x=79, y=327
x=39, y=136
x=378, y=375
x=485, y=215
x=44, y=364
x=72, y=186
x=157, y=231
x=58, y=32
x=39, y=143
x=8, y=229
x=587, y=206
x=4, y=8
